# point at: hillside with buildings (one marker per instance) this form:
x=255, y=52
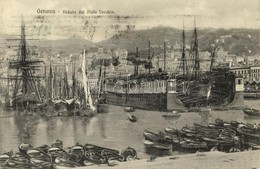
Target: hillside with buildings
x=238, y=49
x=236, y=41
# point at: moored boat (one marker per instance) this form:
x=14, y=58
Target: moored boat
x=158, y=146
x=77, y=154
x=129, y=109
x=193, y=145
x=251, y=135
x=171, y=114
x=132, y=118
x=40, y=158
x=252, y=112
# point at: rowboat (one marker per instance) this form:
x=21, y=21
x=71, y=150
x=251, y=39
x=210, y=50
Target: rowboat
x=129, y=109
x=132, y=118
x=129, y=153
x=171, y=114
x=39, y=158
x=193, y=145
x=252, y=112
x=77, y=154
x=61, y=158
x=19, y=160
x=4, y=158
x=172, y=131
x=250, y=135
x=158, y=146
x=156, y=137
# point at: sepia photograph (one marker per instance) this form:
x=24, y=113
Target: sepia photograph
x=169, y=84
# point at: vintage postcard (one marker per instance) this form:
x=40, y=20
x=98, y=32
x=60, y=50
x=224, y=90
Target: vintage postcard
x=130, y=84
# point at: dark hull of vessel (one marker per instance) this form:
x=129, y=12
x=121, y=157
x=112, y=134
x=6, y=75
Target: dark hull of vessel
x=164, y=101
x=147, y=101
x=252, y=112
x=216, y=88
x=219, y=89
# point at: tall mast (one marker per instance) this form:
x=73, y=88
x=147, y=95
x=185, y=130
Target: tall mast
x=100, y=79
x=149, y=55
x=164, y=56
x=196, y=68
x=137, y=61
x=86, y=84
x=50, y=83
x=73, y=80
x=23, y=58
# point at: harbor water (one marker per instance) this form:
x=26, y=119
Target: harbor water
x=112, y=130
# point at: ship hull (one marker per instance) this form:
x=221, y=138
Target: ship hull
x=147, y=101
x=219, y=89
x=164, y=101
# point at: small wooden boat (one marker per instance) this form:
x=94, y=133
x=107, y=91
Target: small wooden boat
x=252, y=112
x=111, y=155
x=40, y=158
x=171, y=114
x=19, y=160
x=199, y=109
x=24, y=147
x=132, y=118
x=151, y=136
x=129, y=153
x=129, y=109
x=159, y=138
x=77, y=154
x=92, y=147
x=57, y=152
x=250, y=135
x=94, y=158
x=58, y=143
x=4, y=158
x=158, y=146
x=172, y=131
x=193, y=145
x=61, y=158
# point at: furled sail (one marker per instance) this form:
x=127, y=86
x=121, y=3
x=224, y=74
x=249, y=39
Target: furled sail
x=86, y=85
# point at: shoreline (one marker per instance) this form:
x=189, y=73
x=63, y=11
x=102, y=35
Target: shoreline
x=205, y=160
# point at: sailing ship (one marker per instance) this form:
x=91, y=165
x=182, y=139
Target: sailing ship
x=25, y=94
x=88, y=108
x=214, y=89
x=100, y=102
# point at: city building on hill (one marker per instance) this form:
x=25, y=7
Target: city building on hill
x=204, y=56
x=122, y=55
x=252, y=59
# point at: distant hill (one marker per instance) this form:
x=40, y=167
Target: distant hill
x=70, y=45
x=74, y=44
x=236, y=41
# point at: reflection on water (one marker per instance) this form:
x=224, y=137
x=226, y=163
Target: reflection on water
x=205, y=117
x=111, y=130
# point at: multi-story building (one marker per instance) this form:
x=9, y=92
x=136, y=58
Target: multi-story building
x=122, y=54
x=242, y=71
x=254, y=73
x=249, y=73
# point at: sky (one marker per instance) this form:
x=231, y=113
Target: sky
x=141, y=15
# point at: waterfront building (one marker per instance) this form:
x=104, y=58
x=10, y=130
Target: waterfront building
x=249, y=73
